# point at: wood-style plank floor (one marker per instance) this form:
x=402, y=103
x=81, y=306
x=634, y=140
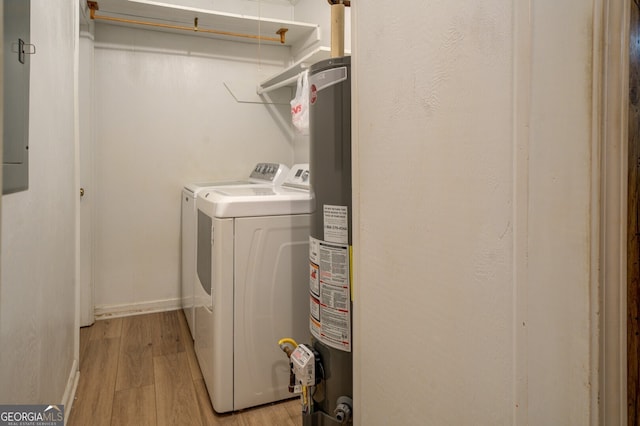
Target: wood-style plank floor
x=142, y=370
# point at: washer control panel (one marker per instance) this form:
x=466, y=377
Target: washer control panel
x=268, y=171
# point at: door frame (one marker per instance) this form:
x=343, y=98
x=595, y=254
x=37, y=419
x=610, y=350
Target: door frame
x=86, y=175
x=611, y=121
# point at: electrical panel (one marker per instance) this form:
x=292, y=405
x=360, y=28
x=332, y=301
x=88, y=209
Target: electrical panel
x=17, y=49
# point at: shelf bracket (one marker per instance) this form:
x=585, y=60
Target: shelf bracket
x=282, y=32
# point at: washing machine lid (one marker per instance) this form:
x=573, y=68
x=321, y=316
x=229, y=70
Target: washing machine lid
x=196, y=188
x=255, y=201
x=268, y=174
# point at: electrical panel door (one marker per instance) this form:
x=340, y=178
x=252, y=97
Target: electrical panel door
x=16, y=52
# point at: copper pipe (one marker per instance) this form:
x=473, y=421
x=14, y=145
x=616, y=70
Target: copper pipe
x=337, y=30
x=93, y=6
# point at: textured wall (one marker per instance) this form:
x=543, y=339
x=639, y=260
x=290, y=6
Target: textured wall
x=164, y=118
x=37, y=291
x=474, y=183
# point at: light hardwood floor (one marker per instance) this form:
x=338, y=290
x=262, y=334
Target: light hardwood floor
x=142, y=370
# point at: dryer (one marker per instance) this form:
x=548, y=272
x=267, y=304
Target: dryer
x=264, y=174
x=252, y=273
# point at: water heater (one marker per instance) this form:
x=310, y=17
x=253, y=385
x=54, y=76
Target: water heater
x=330, y=241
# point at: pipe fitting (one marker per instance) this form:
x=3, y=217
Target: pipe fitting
x=343, y=410
x=287, y=345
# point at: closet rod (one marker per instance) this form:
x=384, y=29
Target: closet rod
x=93, y=6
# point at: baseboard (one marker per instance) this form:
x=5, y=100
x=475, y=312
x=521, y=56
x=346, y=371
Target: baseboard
x=115, y=311
x=70, y=390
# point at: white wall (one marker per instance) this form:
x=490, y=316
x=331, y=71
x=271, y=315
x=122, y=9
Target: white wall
x=38, y=292
x=473, y=284
x=164, y=118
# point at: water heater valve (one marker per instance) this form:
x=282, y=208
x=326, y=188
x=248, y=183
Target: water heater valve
x=304, y=361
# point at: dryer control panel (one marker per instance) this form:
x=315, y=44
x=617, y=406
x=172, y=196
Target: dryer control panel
x=298, y=177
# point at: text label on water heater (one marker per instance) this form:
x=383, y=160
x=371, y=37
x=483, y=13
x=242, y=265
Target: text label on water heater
x=336, y=224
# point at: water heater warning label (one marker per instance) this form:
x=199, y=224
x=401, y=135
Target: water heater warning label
x=336, y=224
x=330, y=319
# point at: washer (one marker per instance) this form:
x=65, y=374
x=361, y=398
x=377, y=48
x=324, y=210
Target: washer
x=263, y=174
x=252, y=288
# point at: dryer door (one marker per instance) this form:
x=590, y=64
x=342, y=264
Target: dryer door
x=205, y=243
